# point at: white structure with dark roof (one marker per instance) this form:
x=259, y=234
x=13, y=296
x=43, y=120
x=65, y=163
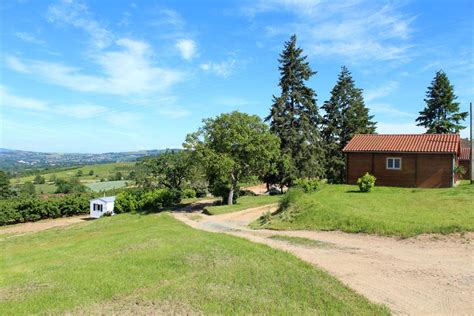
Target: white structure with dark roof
x=100, y=206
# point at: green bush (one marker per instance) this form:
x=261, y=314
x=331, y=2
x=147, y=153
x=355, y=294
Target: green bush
x=308, y=185
x=29, y=209
x=125, y=202
x=366, y=182
x=188, y=193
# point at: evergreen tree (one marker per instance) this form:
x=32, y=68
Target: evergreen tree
x=345, y=115
x=294, y=115
x=441, y=114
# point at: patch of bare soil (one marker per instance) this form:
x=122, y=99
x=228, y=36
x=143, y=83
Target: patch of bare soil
x=428, y=274
x=42, y=225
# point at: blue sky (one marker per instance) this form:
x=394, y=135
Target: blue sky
x=99, y=76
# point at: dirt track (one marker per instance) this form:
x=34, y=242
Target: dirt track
x=423, y=275
x=42, y=225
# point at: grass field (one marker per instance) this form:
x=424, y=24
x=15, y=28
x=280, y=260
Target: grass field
x=385, y=211
x=132, y=264
x=243, y=202
x=100, y=171
x=107, y=185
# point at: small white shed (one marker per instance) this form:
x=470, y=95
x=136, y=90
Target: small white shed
x=102, y=205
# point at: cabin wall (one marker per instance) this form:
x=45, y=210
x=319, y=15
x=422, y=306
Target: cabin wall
x=417, y=170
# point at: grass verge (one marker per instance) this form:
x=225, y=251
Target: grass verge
x=152, y=264
x=243, y=203
x=401, y=212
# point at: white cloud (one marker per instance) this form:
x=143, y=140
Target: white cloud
x=15, y=64
x=175, y=112
x=187, y=48
x=82, y=111
x=222, y=69
x=128, y=70
x=29, y=38
x=169, y=17
x=379, y=92
x=383, y=108
x=399, y=128
x=356, y=30
x=233, y=101
x=76, y=13
x=10, y=100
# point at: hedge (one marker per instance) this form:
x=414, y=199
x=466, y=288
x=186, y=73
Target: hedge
x=27, y=209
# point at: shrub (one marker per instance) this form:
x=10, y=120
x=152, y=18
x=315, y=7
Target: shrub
x=244, y=192
x=188, y=193
x=125, y=202
x=308, y=185
x=25, y=209
x=460, y=171
x=366, y=182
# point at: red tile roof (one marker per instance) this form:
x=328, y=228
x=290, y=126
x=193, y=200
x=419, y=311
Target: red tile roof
x=465, y=153
x=424, y=143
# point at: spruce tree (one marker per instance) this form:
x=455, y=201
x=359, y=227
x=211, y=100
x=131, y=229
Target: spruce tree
x=345, y=115
x=294, y=115
x=441, y=114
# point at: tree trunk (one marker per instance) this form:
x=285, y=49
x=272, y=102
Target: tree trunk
x=230, y=198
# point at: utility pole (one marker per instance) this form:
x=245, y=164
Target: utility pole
x=471, y=158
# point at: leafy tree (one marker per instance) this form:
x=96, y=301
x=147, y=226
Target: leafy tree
x=39, y=179
x=79, y=173
x=441, y=114
x=280, y=173
x=71, y=186
x=232, y=147
x=5, y=190
x=345, y=115
x=294, y=115
x=91, y=173
x=171, y=169
x=118, y=176
x=28, y=189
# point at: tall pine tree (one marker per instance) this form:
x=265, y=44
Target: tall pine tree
x=345, y=115
x=294, y=115
x=441, y=114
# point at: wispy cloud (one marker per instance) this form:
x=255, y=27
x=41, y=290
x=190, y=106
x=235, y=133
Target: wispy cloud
x=29, y=38
x=187, y=48
x=221, y=69
x=124, y=71
x=233, y=101
x=174, y=112
x=76, y=13
x=78, y=111
x=11, y=100
x=384, y=108
x=356, y=30
x=399, y=128
x=381, y=91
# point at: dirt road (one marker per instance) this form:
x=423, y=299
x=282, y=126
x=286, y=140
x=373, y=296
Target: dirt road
x=42, y=225
x=416, y=276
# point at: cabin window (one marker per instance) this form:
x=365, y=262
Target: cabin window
x=97, y=207
x=394, y=163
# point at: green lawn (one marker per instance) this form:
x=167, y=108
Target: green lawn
x=243, y=203
x=385, y=211
x=154, y=264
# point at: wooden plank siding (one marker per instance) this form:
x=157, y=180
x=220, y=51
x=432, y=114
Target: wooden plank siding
x=417, y=169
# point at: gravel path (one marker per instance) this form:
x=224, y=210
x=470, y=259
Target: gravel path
x=429, y=274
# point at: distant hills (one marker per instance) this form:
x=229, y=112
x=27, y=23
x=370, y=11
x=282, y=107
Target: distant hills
x=11, y=159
